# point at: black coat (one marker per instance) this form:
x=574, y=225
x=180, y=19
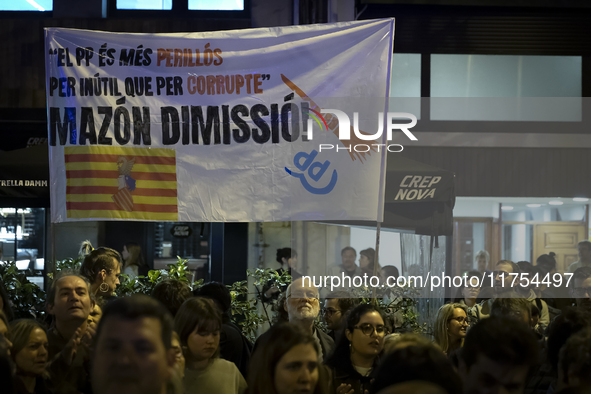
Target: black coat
x=346, y=374
x=235, y=347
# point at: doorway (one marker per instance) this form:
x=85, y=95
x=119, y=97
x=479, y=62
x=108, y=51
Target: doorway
x=561, y=238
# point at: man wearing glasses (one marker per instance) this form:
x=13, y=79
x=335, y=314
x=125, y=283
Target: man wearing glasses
x=581, y=288
x=303, y=306
x=336, y=305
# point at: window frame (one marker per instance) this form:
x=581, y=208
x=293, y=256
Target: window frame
x=180, y=9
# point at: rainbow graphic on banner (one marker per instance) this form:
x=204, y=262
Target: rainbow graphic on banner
x=121, y=183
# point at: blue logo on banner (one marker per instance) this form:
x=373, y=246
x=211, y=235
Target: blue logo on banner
x=315, y=169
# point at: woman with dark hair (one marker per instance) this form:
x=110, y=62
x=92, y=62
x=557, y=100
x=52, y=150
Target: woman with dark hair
x=198, y=323
x=134, y=260
x=367, y=258
x=30, y=355
x=288, y=259
x=358, y=349
x=556, y=297
x=101, y=267
x=418, y=362
x=286, y=362
x=234, y=346
x=547, y=262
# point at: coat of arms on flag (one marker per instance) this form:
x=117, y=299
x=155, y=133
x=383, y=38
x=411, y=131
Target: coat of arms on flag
x=121, y=183
x=126, y=184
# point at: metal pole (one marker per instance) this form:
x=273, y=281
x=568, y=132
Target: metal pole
x=376, y=262
x=52, y=232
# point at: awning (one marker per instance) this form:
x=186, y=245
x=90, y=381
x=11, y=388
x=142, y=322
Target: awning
x=418, y=198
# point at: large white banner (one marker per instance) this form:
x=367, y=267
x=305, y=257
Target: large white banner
x=222, y=126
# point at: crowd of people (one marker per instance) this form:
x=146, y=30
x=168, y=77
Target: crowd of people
x=180, y=340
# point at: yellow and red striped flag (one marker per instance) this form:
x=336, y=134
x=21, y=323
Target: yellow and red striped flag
x=121, y=183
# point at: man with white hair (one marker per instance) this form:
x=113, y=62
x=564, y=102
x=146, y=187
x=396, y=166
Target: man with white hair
x=303, y=306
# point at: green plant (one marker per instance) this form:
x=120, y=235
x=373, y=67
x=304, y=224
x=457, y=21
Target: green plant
x=69, y=264
x=27, y=299
x=145, y=284
x=264, y=279
x=244, y=312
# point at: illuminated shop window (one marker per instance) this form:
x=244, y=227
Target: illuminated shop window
x=26, y=5
x=506, y=88
x=144, y=4
x=216, y=5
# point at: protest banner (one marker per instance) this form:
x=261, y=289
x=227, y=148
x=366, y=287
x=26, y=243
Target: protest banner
x=219, y=126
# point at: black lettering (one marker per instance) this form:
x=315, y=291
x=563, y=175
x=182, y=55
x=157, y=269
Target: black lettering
x=198, y=123
x=186, y=124
x=241, y=123
x=147, y=60
x=88, y=90
x=141, y=127
x=275, y=123
x=87, y=121
x=226, y=124
x=103, y=139
x=178, y=86
x=263, y=133
x=125, y=59
x=122, y=139
x=61, y=128
x=295, y=122
x=170, y=136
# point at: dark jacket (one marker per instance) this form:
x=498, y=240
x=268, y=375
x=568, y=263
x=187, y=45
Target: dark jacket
x=40, y=386
x=345, y=373
x=326, y=343
x=67, y=379
x=235, y=347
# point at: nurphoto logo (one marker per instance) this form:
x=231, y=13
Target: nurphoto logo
x=344, y=130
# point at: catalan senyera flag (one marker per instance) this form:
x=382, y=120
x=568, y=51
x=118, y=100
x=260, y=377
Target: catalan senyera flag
x=121, y=183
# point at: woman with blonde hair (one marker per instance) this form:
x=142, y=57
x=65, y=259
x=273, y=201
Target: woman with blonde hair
x=30, y=355
x=134, y=261
x=450, y=327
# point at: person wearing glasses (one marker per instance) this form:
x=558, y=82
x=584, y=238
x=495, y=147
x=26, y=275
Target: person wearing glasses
x=336, y=305
x=302, y=305
x=581, y=288
x=359, y=347
x=451, y=327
